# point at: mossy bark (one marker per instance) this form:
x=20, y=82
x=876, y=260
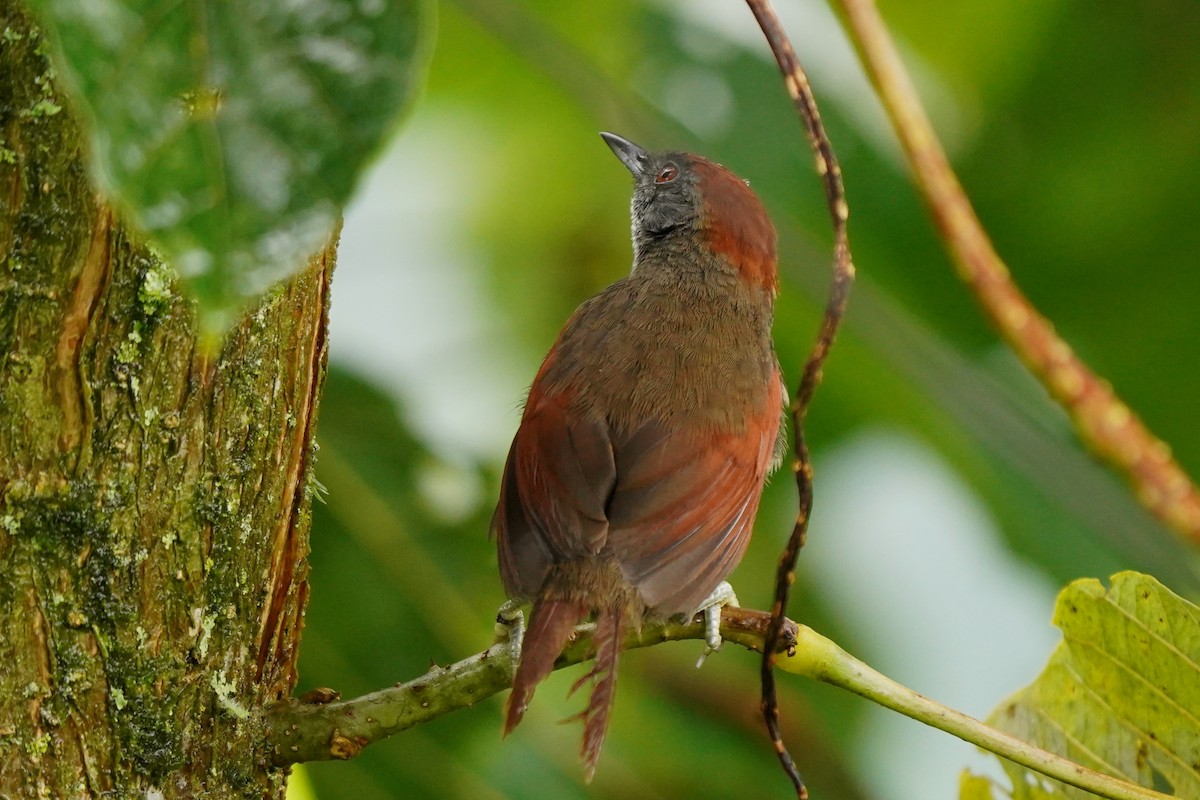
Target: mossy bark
x=154, y=498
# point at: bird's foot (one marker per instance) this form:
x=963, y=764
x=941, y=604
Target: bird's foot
x=510, y=628
x=711, y=607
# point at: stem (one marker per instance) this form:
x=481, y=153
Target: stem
x=819, y=658
x=1101, y=419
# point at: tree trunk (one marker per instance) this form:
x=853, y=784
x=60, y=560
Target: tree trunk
x=154, y=499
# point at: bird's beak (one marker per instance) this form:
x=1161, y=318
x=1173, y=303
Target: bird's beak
x=635, y=159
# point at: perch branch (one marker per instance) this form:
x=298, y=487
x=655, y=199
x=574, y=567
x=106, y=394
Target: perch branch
x=314, y=729
x=827, y=167
x=1102, y=420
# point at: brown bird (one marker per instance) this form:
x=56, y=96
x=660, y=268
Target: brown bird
x=634, y=478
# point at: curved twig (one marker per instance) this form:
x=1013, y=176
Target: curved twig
x=1101, y=419
x=843, y=276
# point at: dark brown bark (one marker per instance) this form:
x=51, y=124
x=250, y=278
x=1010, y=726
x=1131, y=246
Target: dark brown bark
x=154, y=499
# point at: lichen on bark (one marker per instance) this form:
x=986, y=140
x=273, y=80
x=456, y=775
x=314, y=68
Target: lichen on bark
x=154, y=498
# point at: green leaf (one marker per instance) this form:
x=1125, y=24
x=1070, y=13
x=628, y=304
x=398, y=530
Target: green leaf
x=234, y=132
x=974, y=787
x=1121, y=694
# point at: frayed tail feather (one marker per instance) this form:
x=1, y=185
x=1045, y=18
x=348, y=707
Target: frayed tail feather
x=610, y=625
x=550, y=625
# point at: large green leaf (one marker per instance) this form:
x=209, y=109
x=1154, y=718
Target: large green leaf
x=234, y=132
x=1121, y=694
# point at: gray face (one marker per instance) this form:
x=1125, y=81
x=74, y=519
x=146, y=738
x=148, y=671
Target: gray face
x=665, y=196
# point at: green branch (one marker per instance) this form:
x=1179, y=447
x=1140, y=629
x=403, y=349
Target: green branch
x=817, y=657
x=313, y=728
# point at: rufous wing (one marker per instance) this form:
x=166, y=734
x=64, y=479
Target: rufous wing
x=683, y=508
x=559, y=475
x=673, y=503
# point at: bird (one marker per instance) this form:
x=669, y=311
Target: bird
x=633, y=480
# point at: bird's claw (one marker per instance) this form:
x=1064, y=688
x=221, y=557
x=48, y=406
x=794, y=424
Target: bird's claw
x=721, y=596
x=510, y=627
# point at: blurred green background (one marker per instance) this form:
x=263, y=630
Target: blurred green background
x=951, y=498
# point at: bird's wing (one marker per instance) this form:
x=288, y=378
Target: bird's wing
x=683, y=507
x=559, y=475
x=673, y=504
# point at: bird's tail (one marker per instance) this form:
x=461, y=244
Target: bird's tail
x=549, y=626
x=610, y=624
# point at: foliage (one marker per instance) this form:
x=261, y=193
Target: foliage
x=1120, y=692
x=234, y=133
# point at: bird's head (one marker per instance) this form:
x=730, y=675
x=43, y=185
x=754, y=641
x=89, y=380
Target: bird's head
x=683, y=201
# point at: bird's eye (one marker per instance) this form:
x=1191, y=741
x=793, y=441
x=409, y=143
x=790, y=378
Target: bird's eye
x=667, y=174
